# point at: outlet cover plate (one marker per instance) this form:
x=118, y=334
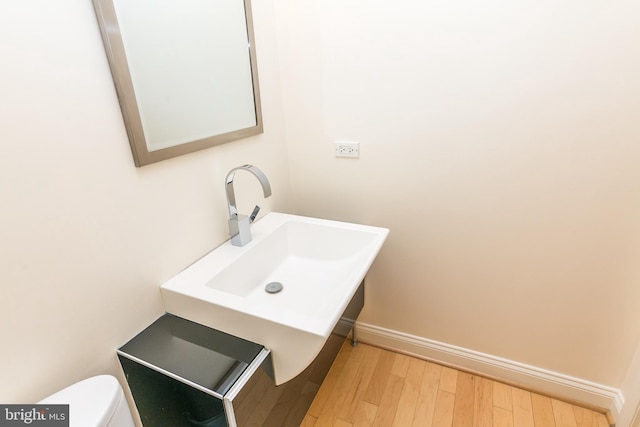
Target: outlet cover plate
x=347, y=149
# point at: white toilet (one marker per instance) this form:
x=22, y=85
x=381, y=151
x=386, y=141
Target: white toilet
x=94, y=402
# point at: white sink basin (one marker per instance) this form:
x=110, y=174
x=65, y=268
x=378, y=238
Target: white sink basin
x=320, y=264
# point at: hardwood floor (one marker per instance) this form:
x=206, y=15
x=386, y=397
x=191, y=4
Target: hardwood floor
x=369, y=386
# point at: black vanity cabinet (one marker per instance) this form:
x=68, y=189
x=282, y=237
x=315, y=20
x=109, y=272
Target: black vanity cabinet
x=184, y=374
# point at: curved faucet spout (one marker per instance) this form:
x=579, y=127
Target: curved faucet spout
x=231, y=197
x=239, y=224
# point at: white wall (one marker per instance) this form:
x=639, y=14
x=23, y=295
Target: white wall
x=85, y=237
x=499, y=143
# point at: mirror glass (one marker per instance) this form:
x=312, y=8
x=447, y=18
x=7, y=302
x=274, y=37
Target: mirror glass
x=185, y=72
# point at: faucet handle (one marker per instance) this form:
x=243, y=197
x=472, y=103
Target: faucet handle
x=254, y=214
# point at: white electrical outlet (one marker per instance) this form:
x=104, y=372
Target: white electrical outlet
x=347, y=149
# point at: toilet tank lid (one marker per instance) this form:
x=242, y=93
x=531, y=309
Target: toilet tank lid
x=92, y=402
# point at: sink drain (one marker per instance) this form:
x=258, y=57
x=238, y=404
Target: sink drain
x=273, y=287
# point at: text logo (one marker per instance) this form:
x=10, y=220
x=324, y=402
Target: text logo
x=34, y=415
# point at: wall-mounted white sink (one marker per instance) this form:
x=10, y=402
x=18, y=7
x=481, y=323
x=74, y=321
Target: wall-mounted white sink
x=320, y=264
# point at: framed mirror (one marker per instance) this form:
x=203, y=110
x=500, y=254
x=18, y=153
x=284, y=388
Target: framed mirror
x=185, y=73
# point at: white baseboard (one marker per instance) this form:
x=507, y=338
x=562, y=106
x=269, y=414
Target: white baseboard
x=526, y=376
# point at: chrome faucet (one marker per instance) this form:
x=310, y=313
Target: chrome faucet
x=239, y=225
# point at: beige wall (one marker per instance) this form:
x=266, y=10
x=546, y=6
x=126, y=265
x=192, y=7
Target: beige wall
x=85, y=237
x=500, y=144
x=631, y=391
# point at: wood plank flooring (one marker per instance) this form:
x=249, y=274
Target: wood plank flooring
x=369, y=386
